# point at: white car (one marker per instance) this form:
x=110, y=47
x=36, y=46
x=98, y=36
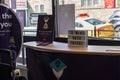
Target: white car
x=95, y=27
x=115, y=20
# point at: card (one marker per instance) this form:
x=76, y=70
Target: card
x=45, y=29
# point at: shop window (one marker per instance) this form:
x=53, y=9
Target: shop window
x=65, y=16
x=37, y=8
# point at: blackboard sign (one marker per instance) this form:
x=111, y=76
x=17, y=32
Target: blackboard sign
x=45, y=29
x=10, y=29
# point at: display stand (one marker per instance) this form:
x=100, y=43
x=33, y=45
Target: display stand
x=45, y=30
x=10, y=30
x=10, y=38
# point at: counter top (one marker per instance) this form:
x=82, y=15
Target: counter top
x=64, y=48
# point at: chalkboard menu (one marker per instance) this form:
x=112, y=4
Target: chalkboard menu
x=45, y=29
x=10, y=29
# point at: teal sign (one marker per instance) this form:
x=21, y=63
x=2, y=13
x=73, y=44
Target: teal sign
x=58, y=65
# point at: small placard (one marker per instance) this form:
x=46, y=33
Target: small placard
x=78, y=38
x=45, y=29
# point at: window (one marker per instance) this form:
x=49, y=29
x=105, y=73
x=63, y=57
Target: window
x=89, y=3
x=37, y=8
x=78, y=24
x=41, y=8
x=94, y=8
x=83, y=3
x=95, y=2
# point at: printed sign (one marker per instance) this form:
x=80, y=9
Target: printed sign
x=45, y=29
x=66, y=18
x=109, y=3
x=10, y=29
x=21, y=3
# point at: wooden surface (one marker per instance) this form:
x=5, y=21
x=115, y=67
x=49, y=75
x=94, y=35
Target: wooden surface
x=64, y=48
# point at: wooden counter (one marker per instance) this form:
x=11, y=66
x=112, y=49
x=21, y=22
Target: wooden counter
x=63, y=48
x=91, y=63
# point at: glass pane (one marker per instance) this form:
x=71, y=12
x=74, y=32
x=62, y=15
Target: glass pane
x=28, y=11
x=89, y=2
x=95, y=2
x=83, y=3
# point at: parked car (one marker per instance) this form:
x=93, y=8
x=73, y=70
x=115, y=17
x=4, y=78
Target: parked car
x=115, y=20
x=95, y=27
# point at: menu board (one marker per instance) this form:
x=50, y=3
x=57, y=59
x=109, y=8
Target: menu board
x=10, y=30
x=45, y=29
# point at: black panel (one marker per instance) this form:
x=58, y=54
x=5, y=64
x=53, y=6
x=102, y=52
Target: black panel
x=79, y=67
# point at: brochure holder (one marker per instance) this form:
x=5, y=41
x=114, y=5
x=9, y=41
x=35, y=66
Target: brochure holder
x=45, y=30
